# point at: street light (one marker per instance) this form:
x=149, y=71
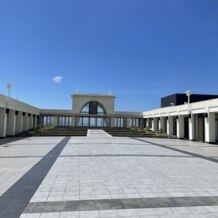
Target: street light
x=188, y=94
x=9, y=86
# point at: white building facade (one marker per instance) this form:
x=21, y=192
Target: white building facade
x=193, y=121
x=92, y=111
x=16, y=116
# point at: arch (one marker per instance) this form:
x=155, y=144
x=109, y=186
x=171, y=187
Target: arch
x=93, y=108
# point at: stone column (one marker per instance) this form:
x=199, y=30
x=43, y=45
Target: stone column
x=3, y=123
x=55, y=121
x=73, y=123
x=170, y=126
x=11, y=123
x=112, y=122
x=128, y=122
x=162, y=124
x=30, y=121
x=148, y=123
x=154, y=124
x=19, y=122
x=180, y=127
x=210, y=134
x=191, y=127
x=25, y=121
x=46, y=121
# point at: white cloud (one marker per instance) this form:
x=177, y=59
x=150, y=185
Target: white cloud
x=57, y=79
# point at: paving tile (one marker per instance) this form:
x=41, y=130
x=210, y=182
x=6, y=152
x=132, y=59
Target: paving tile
x=118, y=169
x=89, y=214
x=108, y=213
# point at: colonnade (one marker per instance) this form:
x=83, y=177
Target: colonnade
x=199, y=127
x=14, y=122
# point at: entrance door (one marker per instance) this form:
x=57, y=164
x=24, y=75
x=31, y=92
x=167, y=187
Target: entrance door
x=201, y=128
x=186, y=128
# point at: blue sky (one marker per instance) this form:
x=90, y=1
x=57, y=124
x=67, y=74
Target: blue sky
x=141, y=50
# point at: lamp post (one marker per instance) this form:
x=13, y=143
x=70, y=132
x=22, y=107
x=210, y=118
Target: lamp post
x=188, y=94
x=9, y=86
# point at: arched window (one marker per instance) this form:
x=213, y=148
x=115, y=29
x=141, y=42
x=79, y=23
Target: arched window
x=93, y=108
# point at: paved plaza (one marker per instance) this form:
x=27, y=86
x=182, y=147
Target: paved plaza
x=104, y=176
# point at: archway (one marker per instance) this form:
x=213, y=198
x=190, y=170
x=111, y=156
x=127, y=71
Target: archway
x=93, y=114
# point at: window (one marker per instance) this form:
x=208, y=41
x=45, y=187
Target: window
x=93, y=108
x=118, y=122
x=134, y=122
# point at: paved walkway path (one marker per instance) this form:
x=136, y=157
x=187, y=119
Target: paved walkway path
x=98, y=133
x=104, y=176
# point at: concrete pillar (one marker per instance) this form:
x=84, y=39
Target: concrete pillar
x=210, y=134
x=180, y=127
x=147, y=123
x=3, y=123
x=170, y=126
x=128, y=122
x=30, y=121
x=154, y=124
x=25, y=121
x=44, y=120
x=162, y=124
x=55, y=121
x=112, y=122
x=11, y=123
x=73, y=122
x=192, y=127
x=19, y=122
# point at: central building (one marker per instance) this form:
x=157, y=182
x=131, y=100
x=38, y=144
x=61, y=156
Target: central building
x=91, y=110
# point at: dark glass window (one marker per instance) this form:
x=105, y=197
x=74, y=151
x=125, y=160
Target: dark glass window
x=93, y=108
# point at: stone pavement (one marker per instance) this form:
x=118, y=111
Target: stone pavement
x=104, y=176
